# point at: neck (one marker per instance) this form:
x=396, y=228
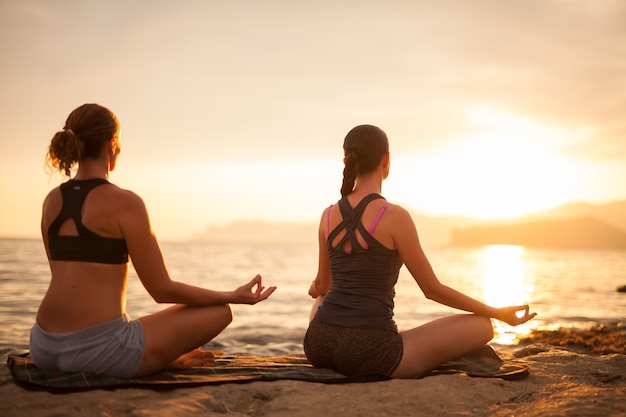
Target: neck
x=88, y=169
x=370, y=184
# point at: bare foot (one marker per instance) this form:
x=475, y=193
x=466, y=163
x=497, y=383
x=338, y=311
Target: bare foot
x=196, y=358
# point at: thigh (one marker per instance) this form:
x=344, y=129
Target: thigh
x=428, y=346
x=178, y=330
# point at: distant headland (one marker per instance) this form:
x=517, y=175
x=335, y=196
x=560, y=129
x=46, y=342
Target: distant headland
x=578, y=233
x=573, y=226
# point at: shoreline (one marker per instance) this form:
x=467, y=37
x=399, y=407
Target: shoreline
x=566, y=378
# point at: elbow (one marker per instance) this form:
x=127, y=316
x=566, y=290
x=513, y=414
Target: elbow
x=161, y=295
x=161, y=299
x=432, y=294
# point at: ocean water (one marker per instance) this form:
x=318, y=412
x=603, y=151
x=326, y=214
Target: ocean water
x=566, y=288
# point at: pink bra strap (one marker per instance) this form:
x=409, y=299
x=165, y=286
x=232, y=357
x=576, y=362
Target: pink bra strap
x=328, y=219
x=378, y=216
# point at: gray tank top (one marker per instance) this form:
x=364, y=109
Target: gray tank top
x=364, y=278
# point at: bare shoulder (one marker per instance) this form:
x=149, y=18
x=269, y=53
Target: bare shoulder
x=53, y=197
x=125, y=199
x=399, y=221
x=399, y=213
x=112, y=209
x=51, y=206
x=121, y=210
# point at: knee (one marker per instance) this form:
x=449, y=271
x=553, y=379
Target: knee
x=487, y=328
x=226, y=314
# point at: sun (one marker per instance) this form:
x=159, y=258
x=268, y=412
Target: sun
x=507, y=168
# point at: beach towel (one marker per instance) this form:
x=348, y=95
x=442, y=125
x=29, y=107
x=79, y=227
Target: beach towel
x=242, y=368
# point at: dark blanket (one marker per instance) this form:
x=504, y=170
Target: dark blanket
x=242, y=368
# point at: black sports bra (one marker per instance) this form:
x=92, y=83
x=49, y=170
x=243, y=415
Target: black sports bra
x=87, y=246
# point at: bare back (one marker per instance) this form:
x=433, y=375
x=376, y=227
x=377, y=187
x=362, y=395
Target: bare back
x=82, y=294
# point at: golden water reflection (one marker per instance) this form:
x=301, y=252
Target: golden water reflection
x=507, y=281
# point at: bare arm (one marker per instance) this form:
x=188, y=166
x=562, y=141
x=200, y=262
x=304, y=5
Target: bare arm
x=323, y=280
x=407, y=242
x=148, y=261
x=45, y=224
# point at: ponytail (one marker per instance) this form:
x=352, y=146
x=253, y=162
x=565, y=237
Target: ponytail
x=87, y=130
x=65, y=150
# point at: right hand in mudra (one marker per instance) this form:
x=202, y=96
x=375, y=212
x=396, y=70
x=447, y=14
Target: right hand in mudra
x=510, y=315
x=252, y=292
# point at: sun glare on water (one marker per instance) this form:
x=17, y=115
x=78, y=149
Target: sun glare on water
x=506, y=283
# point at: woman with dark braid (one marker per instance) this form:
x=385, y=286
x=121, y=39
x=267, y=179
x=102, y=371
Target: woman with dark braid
x=90, y=228
x=363, y=242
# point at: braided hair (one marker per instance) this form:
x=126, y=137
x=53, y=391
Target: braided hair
x=364, y=148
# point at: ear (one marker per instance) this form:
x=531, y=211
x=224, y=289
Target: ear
x=114, y=146
x=386, y=162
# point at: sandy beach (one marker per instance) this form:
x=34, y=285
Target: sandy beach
x=566, y=379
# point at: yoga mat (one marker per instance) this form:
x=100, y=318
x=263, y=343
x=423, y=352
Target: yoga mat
x=242, y=368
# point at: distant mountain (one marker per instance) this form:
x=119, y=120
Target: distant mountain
x=574, y=225
x=577, y=233
x=613, y=214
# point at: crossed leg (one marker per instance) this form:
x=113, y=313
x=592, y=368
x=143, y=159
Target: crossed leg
x=172, y=336
x=428, y=346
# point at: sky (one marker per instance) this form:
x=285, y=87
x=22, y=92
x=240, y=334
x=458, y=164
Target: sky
x=237, y=110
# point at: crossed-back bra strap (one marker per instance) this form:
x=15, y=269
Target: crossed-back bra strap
x=351, y=221
x=378, y=216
